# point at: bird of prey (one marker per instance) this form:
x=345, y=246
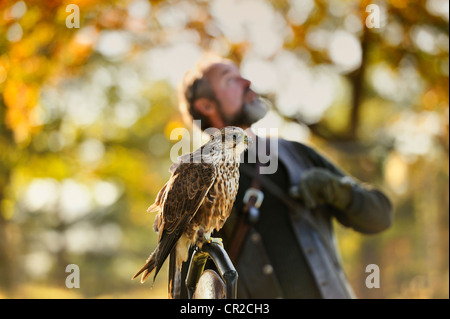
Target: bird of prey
x=197, y=198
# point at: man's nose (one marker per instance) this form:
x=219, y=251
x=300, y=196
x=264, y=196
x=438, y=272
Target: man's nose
x=245, y=83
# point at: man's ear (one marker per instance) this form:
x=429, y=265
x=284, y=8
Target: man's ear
x=204, y=106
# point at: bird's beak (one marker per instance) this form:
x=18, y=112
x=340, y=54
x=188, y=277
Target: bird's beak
x=247, y=140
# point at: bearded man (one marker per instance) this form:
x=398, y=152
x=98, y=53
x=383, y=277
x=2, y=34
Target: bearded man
x=280, y=233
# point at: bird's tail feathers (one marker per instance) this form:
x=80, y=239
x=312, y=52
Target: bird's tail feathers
x=148, y=268
x=159, y=256
x=166, y=244
x=174, y=277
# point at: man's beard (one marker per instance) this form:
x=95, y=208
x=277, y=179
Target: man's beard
x=249, y=113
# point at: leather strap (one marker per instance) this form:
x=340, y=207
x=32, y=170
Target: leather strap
x=243, y=224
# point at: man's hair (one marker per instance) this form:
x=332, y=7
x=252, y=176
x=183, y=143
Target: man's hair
x=194, y=85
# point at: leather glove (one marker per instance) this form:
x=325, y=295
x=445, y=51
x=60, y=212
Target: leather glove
x=320, y=186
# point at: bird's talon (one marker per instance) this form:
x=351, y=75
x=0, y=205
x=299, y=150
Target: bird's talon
x=216, y=240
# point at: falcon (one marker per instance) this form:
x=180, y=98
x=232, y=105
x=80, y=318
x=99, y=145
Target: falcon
x=197, y=198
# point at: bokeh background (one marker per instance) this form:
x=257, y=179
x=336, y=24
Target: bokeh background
x=86, y=116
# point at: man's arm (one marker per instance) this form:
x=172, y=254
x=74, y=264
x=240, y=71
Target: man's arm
x=356, y=205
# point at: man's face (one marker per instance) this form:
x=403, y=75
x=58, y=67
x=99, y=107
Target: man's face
x=237, y=104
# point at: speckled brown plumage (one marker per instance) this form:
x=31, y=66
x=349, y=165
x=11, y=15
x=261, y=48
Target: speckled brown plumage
x=197, y=198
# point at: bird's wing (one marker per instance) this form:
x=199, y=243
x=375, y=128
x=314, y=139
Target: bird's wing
x=188, y=189
x=186, y=158
x=159, y=199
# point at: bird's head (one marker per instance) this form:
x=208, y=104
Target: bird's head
x=235, y=138
x=232, y=140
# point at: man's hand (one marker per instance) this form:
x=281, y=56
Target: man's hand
x=320, y=186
